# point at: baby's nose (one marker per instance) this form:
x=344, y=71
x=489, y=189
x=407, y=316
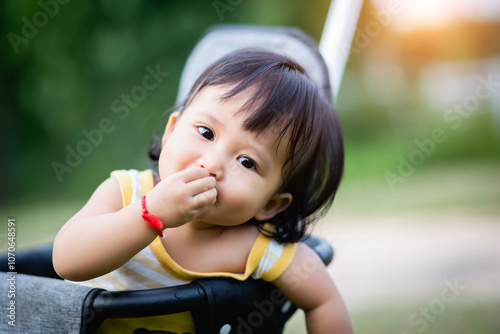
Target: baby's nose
x=211, y=174
x=213, y=169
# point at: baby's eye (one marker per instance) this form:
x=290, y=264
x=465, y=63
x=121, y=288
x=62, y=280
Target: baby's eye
x=206, y=132
x=247, y=162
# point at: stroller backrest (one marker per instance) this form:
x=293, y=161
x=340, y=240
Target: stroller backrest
x=221, y=40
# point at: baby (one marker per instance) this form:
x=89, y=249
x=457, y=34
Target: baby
x=249, y=160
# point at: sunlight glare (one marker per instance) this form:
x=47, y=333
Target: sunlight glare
x=416, y=14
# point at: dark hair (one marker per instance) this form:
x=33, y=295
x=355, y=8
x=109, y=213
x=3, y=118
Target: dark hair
x=285, y=100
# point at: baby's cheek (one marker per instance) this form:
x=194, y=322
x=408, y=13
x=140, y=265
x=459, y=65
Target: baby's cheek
x=240, y=201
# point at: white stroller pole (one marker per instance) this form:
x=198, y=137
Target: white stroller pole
x=337, y=38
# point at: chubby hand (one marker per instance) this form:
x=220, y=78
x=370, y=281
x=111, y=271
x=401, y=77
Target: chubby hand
x=183, y=196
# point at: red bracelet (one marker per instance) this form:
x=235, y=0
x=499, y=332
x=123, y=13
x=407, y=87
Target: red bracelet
x=151, y=220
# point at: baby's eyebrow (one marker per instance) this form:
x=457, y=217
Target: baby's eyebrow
x=263, y=155
x=212, y=118
x=264, y=159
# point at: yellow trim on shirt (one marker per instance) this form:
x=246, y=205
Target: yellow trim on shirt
x=253, y=261
x=126, y=188
x=147, y=181
x=281, y=264
x=175, y=269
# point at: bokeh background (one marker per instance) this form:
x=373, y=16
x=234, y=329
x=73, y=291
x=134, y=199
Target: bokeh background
x=419, y=209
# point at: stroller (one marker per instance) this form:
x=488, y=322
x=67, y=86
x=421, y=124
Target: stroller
x=46, y=304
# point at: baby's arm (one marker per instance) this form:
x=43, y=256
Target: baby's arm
x=307, y=284
x=102, y=236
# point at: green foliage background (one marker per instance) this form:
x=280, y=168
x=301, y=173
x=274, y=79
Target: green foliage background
x=64, y=78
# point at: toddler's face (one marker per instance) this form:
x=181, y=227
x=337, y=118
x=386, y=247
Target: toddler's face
x=247, y=167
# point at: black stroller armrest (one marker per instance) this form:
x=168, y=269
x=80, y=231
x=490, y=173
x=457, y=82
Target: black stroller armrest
x=147, y=303
x=37, y=262
x=321, y=247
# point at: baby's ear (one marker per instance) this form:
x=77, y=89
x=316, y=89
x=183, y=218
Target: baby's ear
x=170, y=126
x=276, y=204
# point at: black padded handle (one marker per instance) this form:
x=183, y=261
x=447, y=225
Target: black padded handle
x=151, y=302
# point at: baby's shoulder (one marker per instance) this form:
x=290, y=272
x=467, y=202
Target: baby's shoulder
x=107, y=194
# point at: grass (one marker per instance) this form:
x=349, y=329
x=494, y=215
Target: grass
x=459, y=317
x=473, y=187
x=37, y=223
